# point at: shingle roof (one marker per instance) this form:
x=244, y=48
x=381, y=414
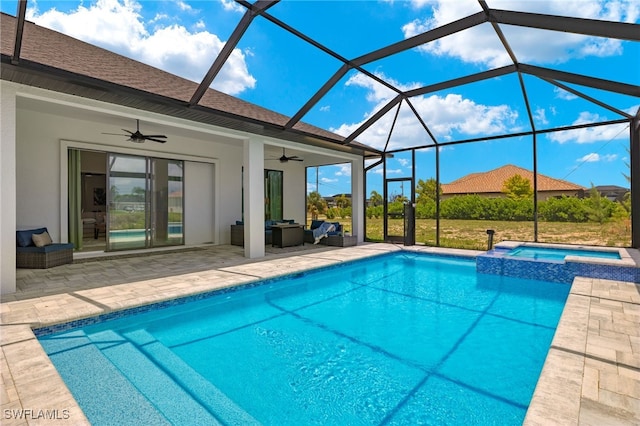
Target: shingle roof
x=493, y=182
x=46, y=47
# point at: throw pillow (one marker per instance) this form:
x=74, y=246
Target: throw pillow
x=23, y=238
x=41, y=240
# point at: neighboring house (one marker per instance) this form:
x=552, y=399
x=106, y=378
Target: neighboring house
x=331, y=200
x=612, y=192
x=491, y=184
x=62, y=101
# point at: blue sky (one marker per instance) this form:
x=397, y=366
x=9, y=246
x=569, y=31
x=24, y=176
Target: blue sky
x=272, y=68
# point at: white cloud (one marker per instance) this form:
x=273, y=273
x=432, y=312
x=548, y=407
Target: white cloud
x=590, y=134
x=232, y=6
x=159, y=17
x=380, y=170
x=403, y=161
x=480, y=45
x=595, y=157
x=118, y=25
x=343, y=170
x=633, y=110
x=325, y=108
x=563, y=94
x=445, y=117
x=184, y=6
x=377, y=92
x=589, y=158
x=540, y=116
x=327, y=180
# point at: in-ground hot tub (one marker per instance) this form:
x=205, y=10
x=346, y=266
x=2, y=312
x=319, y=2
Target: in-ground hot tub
x=526, y=251
x=558, y=263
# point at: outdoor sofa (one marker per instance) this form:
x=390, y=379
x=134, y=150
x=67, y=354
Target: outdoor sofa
x=35, y=250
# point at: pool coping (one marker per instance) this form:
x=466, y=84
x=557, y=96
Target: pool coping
x=564, y=387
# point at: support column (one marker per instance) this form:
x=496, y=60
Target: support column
x=7, y=188
x=357, y=198
x=253, y=198
x=634, y=130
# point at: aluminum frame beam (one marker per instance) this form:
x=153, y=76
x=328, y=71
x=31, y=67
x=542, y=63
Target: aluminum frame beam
x=420, y=39
x=17, y=47
x=634, y=130
x=581, y=79
x=228, y=47
x=467, y=79
x=566, y=24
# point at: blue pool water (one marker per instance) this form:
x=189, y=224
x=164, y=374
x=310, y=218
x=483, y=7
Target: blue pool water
x=549, y=253
x=397, y=339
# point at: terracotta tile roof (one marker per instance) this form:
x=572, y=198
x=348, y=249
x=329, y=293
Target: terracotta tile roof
x=493, y=182
x=53, y=49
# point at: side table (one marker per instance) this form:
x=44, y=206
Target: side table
x=286, y=235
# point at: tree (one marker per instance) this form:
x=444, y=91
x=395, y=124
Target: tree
x=399, y=198
x=342, y=201
x=517, y=187
x=375, y=199
x=426, y=190
x=315, y=204
x=598, y=208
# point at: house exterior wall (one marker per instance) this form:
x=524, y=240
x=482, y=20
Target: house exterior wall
x=40, y=180
x=40, y=177
x=542, y=195
x=38, y=126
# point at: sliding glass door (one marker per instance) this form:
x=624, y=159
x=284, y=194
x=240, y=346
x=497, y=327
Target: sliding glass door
x=145, y=204
x=166, y=202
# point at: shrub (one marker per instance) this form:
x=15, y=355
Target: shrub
x=426, y=209
x=564, y=209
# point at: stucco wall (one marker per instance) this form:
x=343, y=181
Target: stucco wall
x=38, y=177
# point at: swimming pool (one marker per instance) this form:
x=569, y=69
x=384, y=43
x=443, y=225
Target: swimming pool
x=559, y=254
x=396, y=339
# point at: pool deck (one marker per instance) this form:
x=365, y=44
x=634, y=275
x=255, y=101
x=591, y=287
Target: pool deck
x=591, y=375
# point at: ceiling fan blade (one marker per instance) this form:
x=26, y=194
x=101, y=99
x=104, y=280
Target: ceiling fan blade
x=154, y=140
x=154, y=136
x=115, y=134
x=128, y=131
x=295, y=159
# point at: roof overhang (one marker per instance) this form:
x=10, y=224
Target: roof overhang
x=61, y=81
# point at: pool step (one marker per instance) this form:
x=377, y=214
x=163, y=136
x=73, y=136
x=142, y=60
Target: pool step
x=182, y=394
x=103, y=394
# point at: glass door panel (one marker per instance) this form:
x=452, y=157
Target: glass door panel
x=127, y=203
x=398, y=192
x=166, y=202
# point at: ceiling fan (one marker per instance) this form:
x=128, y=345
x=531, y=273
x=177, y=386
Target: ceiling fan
x=138, y=137
x=284, y=158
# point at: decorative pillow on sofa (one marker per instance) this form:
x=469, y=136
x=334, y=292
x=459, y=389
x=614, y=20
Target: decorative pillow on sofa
x=41, y=240
x=316, y=223
x=23, y=238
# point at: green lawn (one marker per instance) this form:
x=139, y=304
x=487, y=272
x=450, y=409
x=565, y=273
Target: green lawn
x=471, y=234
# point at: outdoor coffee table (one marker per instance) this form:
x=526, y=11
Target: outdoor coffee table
x=287, y=235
